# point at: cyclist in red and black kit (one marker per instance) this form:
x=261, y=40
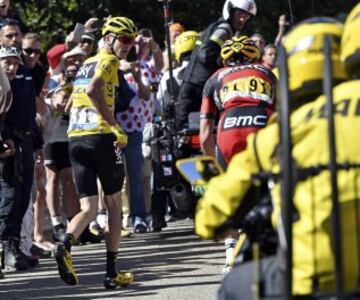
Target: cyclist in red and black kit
x=242, y=93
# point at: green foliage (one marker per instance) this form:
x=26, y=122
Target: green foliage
x=53, y=19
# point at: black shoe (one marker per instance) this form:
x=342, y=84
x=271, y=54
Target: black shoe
x=40, y=252
x=1, y=275
x=121, y=279
x=88, y=237
x=65, y=266
x=176, y=216
x=96, y=230
x=32, y=260
x=59, y=232
x=158, y=223
x=12, y=257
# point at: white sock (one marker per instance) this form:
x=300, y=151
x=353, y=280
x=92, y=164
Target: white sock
x=92, y=223
x=101, y=219
x=229, y=248
x=56, y=220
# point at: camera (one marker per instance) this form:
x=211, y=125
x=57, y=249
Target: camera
x=98, y=24
x=146, y=32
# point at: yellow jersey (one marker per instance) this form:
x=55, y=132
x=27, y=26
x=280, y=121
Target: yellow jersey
x=313, y=253
x=84, y=117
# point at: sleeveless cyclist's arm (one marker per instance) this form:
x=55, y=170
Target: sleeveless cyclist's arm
x=207, y=118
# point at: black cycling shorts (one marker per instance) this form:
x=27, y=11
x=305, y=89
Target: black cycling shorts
x=94, y=156
x=57, y=154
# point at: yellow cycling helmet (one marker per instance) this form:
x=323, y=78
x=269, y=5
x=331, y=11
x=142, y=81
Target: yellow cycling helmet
x=350, y=42
x=185, y=43
x=240, y=50
x=119, y=25
x=304, y=45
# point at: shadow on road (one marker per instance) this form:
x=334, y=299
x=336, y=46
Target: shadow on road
x=173, y=264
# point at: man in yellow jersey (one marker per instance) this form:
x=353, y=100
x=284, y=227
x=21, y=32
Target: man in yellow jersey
x=313, y=252
x=95, y=140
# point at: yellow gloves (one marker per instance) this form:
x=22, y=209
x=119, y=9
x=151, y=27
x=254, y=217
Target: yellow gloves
x=121, y=136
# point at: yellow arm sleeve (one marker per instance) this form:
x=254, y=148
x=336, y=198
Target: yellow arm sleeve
x=225, y=193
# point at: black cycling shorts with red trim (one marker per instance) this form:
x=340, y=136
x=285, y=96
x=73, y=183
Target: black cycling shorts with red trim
x=94, y=156
x=235, y=125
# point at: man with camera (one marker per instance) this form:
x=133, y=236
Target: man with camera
x=21, y=128
x=143, y=79
x=18, y=169
x=6, y=146
x=313, y=252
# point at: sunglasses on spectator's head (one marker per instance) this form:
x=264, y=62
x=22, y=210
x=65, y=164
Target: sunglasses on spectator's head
x=30, y=51
x=126, y=40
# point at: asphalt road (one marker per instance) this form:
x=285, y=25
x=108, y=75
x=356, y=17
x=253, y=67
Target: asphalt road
x=174, y=264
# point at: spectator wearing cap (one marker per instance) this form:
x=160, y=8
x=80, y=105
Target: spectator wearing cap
x=55, y=54
x=87, y=43
x=18, y=169
x=7, y=73
x=69, y=65
x=175, y=29
x=6, y=146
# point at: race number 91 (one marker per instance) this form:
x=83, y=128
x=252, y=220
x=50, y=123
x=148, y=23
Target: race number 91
x=250, y=84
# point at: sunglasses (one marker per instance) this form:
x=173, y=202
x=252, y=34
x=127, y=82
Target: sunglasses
x=126, y=40
x=30, y=51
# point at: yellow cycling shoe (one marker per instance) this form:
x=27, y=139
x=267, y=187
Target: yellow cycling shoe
x=65, y=266
x=121, y=279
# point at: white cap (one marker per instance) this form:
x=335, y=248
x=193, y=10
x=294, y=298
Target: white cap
x=73, y=52
x=10, y=52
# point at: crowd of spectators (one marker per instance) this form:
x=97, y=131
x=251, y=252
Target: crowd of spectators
x=37, y=178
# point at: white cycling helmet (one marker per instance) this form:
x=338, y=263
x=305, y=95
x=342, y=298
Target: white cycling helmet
x=245, y=5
